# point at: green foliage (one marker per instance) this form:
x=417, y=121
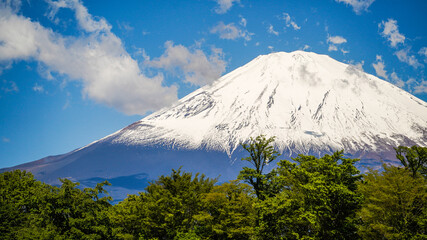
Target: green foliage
x=395, y=205
x=413, y=158
x=318, y=200
x=228, y=212
x=77, y=214
x=34, y=210
x=307, y=198
x=19, y=200
x=191, y=235
x=261, y=153
x=165, y=209
x=126, y=218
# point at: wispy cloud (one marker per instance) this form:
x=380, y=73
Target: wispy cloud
x=358, y=5
x=5, y=139
x=125, y=26
x=9, y=86
x=379, y=67
x=243, y=21
x=404, y=56
x=197, y=68
x=225, y=5
x=421, y=87
x=231, y=32
x=411, y=85
x=271, y=30
x=396, y=80
x=335, y=40
x=332, y=48
x=423, y=52
x=96, y=58
x=38, y=88
x=289, y=22
x=391, y=32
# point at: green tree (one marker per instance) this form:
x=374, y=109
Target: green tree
x=127, y=217
x=20, y=195
x=395, y=205
x=318, y=199
x=30, y=209
x=76, y=213
x=261, y=153
x=228, y=212
x=413, y=158
x=165, y=209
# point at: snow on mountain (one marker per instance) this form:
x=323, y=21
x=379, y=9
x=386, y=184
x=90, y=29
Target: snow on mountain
x=311, y=103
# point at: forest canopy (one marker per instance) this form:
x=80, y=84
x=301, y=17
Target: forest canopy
x=306, y=198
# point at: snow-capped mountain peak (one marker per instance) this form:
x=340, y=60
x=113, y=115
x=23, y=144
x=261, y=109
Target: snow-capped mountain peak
x=311, y=103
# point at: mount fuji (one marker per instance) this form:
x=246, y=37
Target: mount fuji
x=311, y=103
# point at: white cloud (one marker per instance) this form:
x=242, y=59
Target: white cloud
x=391, y=32
x=403, y=56
x=9, y=86
x=421, y=87
x=197, y=68
x=358, y=5
x=423, y=52
x=396, y=80
x=231, y=31
x=125, y=26
x=271, y=48
x=224, y=5
x=305, y=47
x=13, y=5
x=379, y=67
x=5, y=139
x=344, y=51
x=289, y=22
x=271, y=30
x=332, y=48
x=336, y=40
x=96, y=58
x=243, y=21
x=38, y=88
x=85, y=20
x=411, y=85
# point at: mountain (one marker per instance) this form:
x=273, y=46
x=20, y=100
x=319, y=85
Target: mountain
x=312, y=103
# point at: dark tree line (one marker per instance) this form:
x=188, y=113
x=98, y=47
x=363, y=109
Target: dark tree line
x=307, y=198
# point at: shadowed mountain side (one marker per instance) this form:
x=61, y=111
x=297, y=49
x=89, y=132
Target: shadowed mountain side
x=130, y=168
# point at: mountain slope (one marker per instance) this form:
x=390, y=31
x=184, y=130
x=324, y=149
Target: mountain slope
x=312, y=103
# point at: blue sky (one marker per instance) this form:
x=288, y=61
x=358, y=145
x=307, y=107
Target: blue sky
x=74, y=71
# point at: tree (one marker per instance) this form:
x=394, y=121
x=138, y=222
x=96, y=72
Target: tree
x=76, y=213
x=30, y=209
x=228, y=212
x=166, y=208
x=127, y=217
x=318, y=199
x=395, y=205
x=20, y=195
x=413, y=158
x=261, y=153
